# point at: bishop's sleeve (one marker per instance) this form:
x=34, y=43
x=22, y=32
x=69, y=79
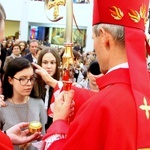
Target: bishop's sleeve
x=5, y=142
x=56, y=132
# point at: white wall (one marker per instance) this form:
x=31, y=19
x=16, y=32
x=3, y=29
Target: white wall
x=32, y=13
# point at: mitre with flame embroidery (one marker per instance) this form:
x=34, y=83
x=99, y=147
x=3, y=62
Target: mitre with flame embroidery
x=132, y=15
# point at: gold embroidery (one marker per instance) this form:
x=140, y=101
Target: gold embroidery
x=134, y=15
x=145, y=107
x=56, y=4
x=116, y=13
x=143, y=11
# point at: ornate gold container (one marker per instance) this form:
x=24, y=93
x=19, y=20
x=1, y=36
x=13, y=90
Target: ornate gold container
x=35, y=126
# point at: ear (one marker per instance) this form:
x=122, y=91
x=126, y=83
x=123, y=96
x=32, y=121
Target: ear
x=10, y=80
x=105, y=37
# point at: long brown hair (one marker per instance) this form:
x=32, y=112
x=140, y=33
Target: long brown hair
x=40, y=82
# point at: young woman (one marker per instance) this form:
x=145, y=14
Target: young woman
x=17, y=89
x=23, y=47
x=48, y=59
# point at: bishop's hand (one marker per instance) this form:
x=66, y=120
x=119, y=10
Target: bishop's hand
x=64, y=106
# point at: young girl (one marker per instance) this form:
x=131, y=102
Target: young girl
x=49, y=59
x=17, y=89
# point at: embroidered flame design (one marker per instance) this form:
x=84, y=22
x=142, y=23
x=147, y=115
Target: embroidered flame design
x=143, y=12
x=116, y=13
x=135, y=16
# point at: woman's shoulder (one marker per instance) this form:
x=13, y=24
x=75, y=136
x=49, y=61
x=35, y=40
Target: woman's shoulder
x=9, y=58
x=36, y=100
x=7, y=107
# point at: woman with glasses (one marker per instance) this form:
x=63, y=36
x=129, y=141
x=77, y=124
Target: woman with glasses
x=18, y=90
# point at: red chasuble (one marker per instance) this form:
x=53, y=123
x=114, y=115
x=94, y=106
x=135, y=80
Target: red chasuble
x=106, y=121
x=5, y=142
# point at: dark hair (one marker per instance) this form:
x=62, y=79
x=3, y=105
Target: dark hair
x=16, y=45
x=94, y=68
x=33, y=40
x=76, y=54
x=13, y=67
x=7, y=42
x=25, y=43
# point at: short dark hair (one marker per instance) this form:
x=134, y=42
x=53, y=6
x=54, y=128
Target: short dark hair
x=14, y=45
x=94, y=68
x=13, y=67
x=33, y=40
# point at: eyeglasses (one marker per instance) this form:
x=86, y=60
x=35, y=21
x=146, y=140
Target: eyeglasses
x=24, y=81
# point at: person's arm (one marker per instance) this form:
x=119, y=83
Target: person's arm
x=63, y=109
x=45, y=76
x=2, y=102
x=19, y=134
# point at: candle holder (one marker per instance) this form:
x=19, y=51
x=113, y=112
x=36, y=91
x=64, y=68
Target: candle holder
x=67, y=67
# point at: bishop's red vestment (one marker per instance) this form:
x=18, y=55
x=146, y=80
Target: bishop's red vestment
x=106, y=121
x=5, y=142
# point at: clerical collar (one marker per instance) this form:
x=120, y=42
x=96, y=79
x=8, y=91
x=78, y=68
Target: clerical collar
x=123, y=65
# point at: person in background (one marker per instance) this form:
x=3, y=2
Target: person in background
x=9, y=45
x=46, y=42
x=87, y=58
x=33, y=45
x=4, y=43
x=118, y=116
x=38, y=51
x=78, y=76
x=23, y=47
x=49, y=60
x=90, y=76
x=16, y=50
x=3, y=55
x=21, y=105
x=15, y=134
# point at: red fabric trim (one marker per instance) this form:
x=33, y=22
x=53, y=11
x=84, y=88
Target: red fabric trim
x=140, y=82
x=58, y=126
x=5, y=142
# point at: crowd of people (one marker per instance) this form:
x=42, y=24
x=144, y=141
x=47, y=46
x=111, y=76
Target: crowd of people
x=21, y=87
x=107, y=107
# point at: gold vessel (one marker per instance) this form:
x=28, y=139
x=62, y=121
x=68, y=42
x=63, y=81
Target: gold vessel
x=35, y=126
